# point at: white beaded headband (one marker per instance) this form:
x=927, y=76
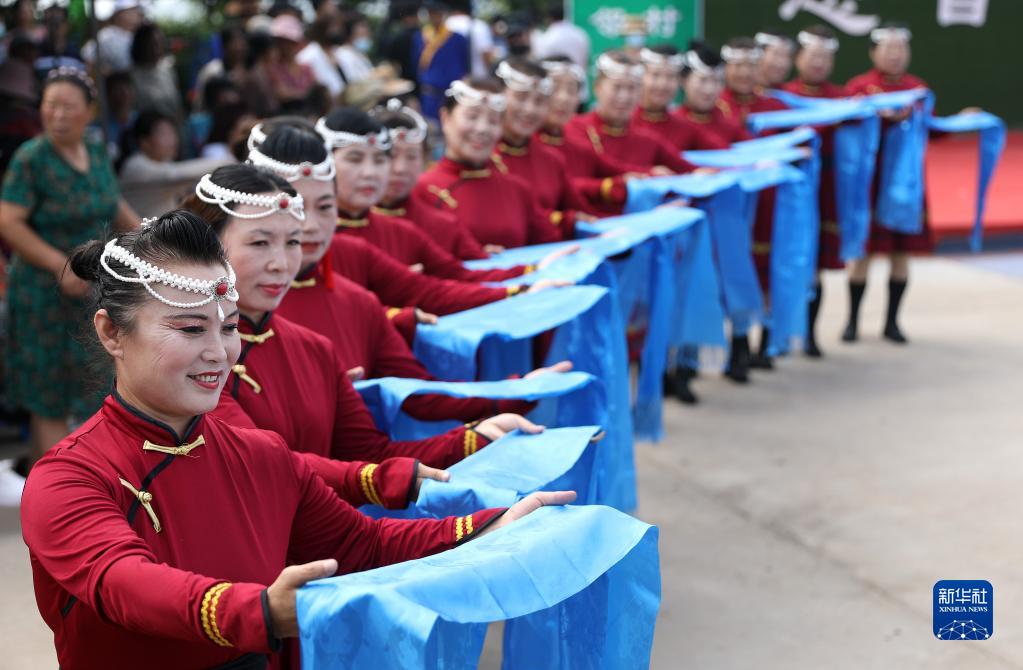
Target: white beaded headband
x=612, y=69
x=520, y=81
x=467, y=95
x=339, y=139
x=650, y=57
x=696, y=64
x=560, y=67
x=256, y=137
x=736, y=55
x=415, y=135
x=881, y=34
x=322, y=171
x=768, y=40
x=207, y=191
x=809, y=39
x=213, y=290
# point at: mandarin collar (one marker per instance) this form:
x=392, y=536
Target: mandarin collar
x=147, y=428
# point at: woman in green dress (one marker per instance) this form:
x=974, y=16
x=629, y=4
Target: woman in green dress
x=59, y=191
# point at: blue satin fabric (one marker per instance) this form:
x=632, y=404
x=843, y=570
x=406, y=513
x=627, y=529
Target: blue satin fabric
x=900, y=193
x=509, y=469
x=580, y=398
x=854, y=160
x=992, y=143
x=578, y=587
x=494, y=341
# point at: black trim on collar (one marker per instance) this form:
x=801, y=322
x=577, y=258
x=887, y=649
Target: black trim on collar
x=136, y=412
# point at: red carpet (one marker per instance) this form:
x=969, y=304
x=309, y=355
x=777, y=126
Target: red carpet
x=952, y=187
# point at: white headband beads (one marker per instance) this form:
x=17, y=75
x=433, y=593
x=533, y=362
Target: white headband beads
x=674, y=61
x=322, y=171
x=768, y=40
x=215, y=290
x=696, y=64
x=612, y=69
x=339, y=139
x=735, y=55
x=465, y=94
x=809, y=39
x=256, y=137
x=557, y=67
x=520, y=81
x=880, y=34
x=416, y=135
x=209, y=192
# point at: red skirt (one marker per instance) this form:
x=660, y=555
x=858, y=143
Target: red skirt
x=763, y=229
x=887, y=241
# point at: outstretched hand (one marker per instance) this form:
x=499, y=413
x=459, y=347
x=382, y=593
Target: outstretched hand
x=557, y=255
x=530, y=504
x=424, y=472
x=498, y=426
x=560, y=366
x=281, y=594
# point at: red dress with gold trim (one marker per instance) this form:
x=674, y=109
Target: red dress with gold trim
x=151, y=558
x=630, y=145
x=547, y=174
x=829, y=247
x=598, y=178
x=683, y=136
x=884, y=240
x=495, y=207
x=440, y=225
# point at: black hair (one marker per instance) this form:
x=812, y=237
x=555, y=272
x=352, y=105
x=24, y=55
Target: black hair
x=664, y=49
x=742, y=43
x=896, y=25
x=822, y=31
x=178, y=236
x=708, y=54
x=214, y=87
x=23, y=47
x=114, y=79
x=146, y=123
x=485, y=84
x=619, y=57
x=75, y=77
x=260, y=44
x=223, y=118
x=556, y=11
x=145, y=44
x=392, y=118
x=240, y=177
x=352, y=120
x=295, y=141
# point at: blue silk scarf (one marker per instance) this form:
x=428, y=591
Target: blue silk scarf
x=578, y=587
x=900, y=193
x=509, y=469
x=992, y=143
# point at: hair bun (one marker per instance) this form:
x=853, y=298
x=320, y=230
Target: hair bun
x=84, y=260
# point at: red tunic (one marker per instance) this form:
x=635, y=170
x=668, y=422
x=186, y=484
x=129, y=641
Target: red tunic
x=408, y=244
x=597, y=177
x=440, y=225
x=351, y=318
x=884, y=240
x=829, y=247
x=741, y=106
x=720, y=128
x=497, y=208
x=395, y=284
x=629, y=145
x=304, y=394
x=683, y=136
x=545, y=170
x=232, y=513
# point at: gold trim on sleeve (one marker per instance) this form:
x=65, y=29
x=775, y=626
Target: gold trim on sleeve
x=208, y=613
x=368, y=488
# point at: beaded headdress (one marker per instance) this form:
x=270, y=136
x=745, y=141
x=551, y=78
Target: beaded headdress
x=271, y=203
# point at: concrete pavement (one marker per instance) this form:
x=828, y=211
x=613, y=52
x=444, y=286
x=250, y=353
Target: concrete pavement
x=805, y=518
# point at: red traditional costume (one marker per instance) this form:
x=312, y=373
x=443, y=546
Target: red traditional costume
x=597, y=177
x=547, y=174
x=351, y=318
x=884, y=240
x=153, y=549
x=629, y=145
x=720, y=127
x=496, y=207
x=441, y=226
x=680, y=134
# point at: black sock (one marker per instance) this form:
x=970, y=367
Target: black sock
x=896, y=288
x=856, y=289
x=811, y=313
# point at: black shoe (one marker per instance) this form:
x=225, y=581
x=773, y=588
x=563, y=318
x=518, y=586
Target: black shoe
x=811, y=349
x=850, y=334
x=738, y=360
x=677, y=384
x=856, y=290
x=893, y=334
x=761, y=360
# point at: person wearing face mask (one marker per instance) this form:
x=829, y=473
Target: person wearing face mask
x=162, y=535
x=527, y=92
x=609, y=129
x=599, y=178
x=287, y=378
x=890, y=53
x=776, y=60
x=703, y=84
x=815, y=61
x=351, y=317
x=498, y=209
x=662, y=72
x=353, y=55
x=361, y=150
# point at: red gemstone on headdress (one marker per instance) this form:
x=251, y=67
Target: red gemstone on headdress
x=401, y=134
x=221, y=288
x=306, y=171
x=372, y=141
x=283, y=202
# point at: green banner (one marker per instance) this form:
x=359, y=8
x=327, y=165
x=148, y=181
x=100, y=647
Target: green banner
x=610, y=22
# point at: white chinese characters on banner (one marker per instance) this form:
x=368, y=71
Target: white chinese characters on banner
x=660, y=22
x=962, y=12
x=843, y=14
